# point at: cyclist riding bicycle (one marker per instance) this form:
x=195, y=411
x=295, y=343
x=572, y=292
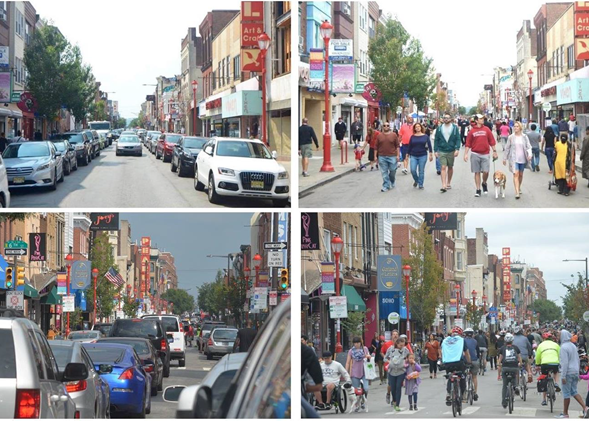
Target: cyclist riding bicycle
x=454, y=355
x=509, y=361
x=475, y=352
x=484, y=347
x=525, y=348
x=548, y=358
x=332, y=375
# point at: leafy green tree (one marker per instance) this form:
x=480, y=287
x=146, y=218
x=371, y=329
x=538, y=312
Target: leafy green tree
x=355, y=324
x=548, y=310
x=461, y=110
x=473, y=111
x=10, y=217
x=474, y=314
x=103, y=260
x=76, y=319
x=98, y=110
x=181, y=299
x=130, y=307
x=120, y=123
x=576, y=300
x=400, y=65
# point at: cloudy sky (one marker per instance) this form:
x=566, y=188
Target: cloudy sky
x=190, y=237
x=466, y=39
x=129, y=43
x=541, y=239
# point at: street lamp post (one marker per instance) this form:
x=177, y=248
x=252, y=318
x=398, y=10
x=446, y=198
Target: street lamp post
x=68, y=258
x=337, y=245
x=474, y=297
x=95, y=280
x=407, y=274
x=326, y=30
x=257, y=260
x=264, y=44
x=530, y=76
x=586, y=260
x=194, y=86
x=484, y=303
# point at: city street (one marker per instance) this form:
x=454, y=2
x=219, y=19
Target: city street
x=111, y=181
x=362, y=190
x=431, y=402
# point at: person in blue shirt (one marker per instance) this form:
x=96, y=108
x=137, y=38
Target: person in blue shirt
x=454, y=355
x=475, y=353
x=419, y=146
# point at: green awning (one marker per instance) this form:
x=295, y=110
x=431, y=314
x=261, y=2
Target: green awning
x=29, y=291
x=52, y=298
x=355, y=302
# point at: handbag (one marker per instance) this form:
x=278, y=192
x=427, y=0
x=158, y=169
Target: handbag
x=370, y=370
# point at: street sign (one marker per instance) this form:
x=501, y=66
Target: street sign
x=338, y=307
x=394, y=318
x=586, y=316
x=273, y=298
x=15, y=300
x=15, y=244
x=276, y=245
x=276, y=259
x=15, y=252
x=260, y=299
x=547, y=106
x=69, y=305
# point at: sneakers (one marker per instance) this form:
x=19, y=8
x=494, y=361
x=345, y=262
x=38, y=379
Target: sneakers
x=305, y=174
x=397, y=409
x=388, y=398
x=405, y=171
x=320, y=406
x=504, y=404
x=475, y=397
x=439, y=172
x=516, y=390
x=415, y=407
x=383, y=190
x=363, y=407
x=328, y=406
x=477, y=194
x=556, y=387
x=414, y=184
x=562, y=416
x=411, y=407
x=537, y=168
x=485, y=189
x=448, y=401
x=543, y=403
x=420, y=187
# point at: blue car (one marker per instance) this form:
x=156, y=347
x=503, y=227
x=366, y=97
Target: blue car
x=120, y=366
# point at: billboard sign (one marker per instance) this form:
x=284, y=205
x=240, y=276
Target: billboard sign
x=441, y=221
x=38, y=242
x=342, y=78
x=104, y=221
x=5, y=86
x=327, y=278
x=341, y=49
x=250, y=33
x=81, y=274
x=252, y=11
x=251, y=60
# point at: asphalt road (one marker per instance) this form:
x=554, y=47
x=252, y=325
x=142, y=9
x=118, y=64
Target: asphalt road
x=111, y=181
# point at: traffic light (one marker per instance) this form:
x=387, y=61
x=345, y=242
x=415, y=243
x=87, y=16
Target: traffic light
x=20, y=276
x=9, y=277
x=284, y=283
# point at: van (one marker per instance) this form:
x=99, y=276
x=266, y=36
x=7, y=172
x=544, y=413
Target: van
x=175, y=332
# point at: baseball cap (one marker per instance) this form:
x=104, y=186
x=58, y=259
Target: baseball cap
x=327, y=354
x=477, y=116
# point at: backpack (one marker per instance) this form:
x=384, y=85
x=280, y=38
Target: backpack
x=397, y=361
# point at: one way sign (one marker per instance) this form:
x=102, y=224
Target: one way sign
x=277, y=245
x=15, y=252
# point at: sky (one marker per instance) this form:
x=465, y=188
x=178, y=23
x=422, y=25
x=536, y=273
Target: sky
x=190, y=237
x=466, y=38
x=129, y=43
x=541, y=239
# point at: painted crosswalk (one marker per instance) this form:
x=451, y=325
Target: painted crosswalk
x=468, y=410
x=406, y=411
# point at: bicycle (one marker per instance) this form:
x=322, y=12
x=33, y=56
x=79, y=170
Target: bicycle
x=550, y=390
x=523, y=381
x=455, y=395
x=469, y=386
x=510, y=375
x=483, y=363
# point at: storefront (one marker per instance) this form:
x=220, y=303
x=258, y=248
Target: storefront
x=212, y=114
x=280, y=116
x=240, y=114
x=311, y=102
x=10, y=119
x=546, y=100
x=573, y=96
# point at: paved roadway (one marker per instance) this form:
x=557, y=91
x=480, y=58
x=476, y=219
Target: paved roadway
x=431, y=402
x=111, y=181
x=362, y=190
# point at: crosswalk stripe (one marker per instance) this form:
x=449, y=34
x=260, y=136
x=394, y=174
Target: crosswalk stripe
x=404, y=412
x=466, y=410
x=522, y=412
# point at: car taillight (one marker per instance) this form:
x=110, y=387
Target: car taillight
x=127, y=374
x=28, y=403
x=76, y=386
x=210, y=342
x=148, y=368
x=163, y=344
x=77, y=415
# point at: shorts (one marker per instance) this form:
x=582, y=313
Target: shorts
x=569, y=388
x=447, y=159
x=550, y=368
x=307, y=151
x=479, y=163
x=357, y=137
x=404, y=149
x=525, y=360
x=371, y=155
x=474, y=367
x=457, y=366
x=520, y=167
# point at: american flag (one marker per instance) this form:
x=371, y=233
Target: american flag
x=115, y=277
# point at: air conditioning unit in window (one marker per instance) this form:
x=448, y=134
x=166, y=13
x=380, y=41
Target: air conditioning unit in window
x=301, y=42
x=346, y=9
x=2, y=14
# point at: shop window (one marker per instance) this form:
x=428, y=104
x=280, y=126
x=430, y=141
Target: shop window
x=237, y=67
x=571, y=56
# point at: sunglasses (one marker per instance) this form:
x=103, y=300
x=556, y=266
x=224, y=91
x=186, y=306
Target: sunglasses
x=387, y=125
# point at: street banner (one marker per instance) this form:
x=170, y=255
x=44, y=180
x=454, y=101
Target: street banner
x=338, y=307
x=38, y=244
x=389, y=273
x=4, y=58
x=403, y=306
x=251, y=60
x=283, y=235
x=309, y=231
x=316, y=66
x=61, y=283
x=441, y=221
x=69, y=304
x=104, y=221
x=81, y=275
x=263, y=279
x=5, y=86
x=388, y=302
x=327, y=278
x=342, y=78
x=252, y=11
x=250, y=33
x=371, y=93
x=273, y=301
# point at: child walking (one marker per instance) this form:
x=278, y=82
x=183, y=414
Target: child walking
x=412, y=380
x=358, y=152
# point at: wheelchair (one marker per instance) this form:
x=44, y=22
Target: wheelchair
x=339, y=398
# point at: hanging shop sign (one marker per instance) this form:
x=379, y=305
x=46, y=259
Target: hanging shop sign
x=389, y=273
x=309, y=231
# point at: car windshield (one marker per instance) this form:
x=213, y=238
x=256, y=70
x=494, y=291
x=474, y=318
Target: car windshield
x=72, y=137
x=241, y=149
x=131, y=132
x=84, y=335
x=135, y=328
x=209, y=326
x=194, y=142
x=225, y=334
x=129, y=139
x=103, y=328
x=26, y=150
x=173, y=138
x=105, y=355
x=63, y=355
x=60, y=146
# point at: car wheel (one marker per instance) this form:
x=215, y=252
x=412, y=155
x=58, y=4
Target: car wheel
x=90, y=156
x=181, y=172
x=75, y=168
x=167, y=370
x=148, y=409
x=86, y=159
x=54, y=185
x=62, y=176
x=97, y=151
x=182, y=362
x=173, y=167
x=213, y=196
x=197, y=186
x=160, y=386
x=154, y=391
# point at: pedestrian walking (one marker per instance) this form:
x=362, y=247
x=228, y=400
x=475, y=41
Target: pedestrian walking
x=358, y=153
x=518, y=153
x=447, y=143
x=245, y=338
x=584, y=156
x=480, y=141
x=306, y=138
x=387, y=152
x=51, y=333
x=419, y=148
x=563, y=160
x=371, y=141
x=396, y=356
x=572, y=123
x=375, y=348
x=534, y=138
x=570, y=365
x=355, y=364
x=432, y=349
x=504, y=132
x=547, y=145
x=563, y=126
x=19, y=138
x=3, y=142
x=412, y=380
x=357, y=130
x=405, y=134
x=340, y=130
x=492, y=340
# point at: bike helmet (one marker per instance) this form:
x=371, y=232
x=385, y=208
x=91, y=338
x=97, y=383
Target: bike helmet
x=517, y=329
x=457, y=330
x=547, y=335
x=468, y=331
x=509, y=338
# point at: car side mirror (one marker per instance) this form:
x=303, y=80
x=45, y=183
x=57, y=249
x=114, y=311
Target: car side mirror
x=105, y=369
x=195, y=402
x=57, y=153
x=74, y=372
x=274, y=154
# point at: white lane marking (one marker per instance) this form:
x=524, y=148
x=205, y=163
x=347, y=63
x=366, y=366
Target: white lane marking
x=522, y=412
x=466, y=411
x=206, y=369
x=405, y=411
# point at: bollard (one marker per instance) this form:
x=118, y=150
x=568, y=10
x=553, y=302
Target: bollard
x=344, y=151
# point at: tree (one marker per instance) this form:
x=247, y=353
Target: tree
x=98, y=111
x=548, y=310
x=214, y=297
x=182, y=300
x=400, y=66
x=462, y=110
x=426, y=286
x=76, y=319
x=120, y=123
x=440, y=101
x=355, y=324
x=103, y=260
x=474, y=314
x=130, y=307
x=473, y=111
x=575, y=302
x=11, y=217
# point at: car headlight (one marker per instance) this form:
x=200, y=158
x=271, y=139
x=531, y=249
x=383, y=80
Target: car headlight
x=226, y=171
x=283, y=176
x=188, y=155
x=43, y=167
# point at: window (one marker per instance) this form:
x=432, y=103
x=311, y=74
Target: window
x=517, y=279
x=237, y=67
x=571, y=56
x=327, y=244
x=459, y=231
x=228, y=71
x=459, y=261
x=562, y=68
x=347, y=241
x=355, y=243
x=214, y=80
x=37, y=355
x=362, y=13
x=221, y=73
x=19, y=23
x=18, y=76
x=49, y=360
x=352, y=245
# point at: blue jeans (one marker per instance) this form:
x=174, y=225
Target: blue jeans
x=438, y=165
x=388, y=169
x=535, y=157
x=356, y=383
x=396, y=384
x=418, y=161
x=550, y=157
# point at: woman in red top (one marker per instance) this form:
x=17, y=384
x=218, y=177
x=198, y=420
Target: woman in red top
x=371, y=140
x=432, y=348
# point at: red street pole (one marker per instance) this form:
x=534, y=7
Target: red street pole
x=327, y=167
x=263, y=54
x=338, y=345
x=407, y=295
x=95, y=276
x=530, y=74
x=67, y=329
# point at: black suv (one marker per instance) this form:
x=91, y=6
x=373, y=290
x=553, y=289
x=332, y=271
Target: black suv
x=81, y=142
x=152, y=329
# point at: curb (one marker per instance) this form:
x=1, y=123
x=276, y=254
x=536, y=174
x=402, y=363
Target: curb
x=309, y=190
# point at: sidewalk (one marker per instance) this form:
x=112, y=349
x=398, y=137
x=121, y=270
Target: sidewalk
x=317, y=178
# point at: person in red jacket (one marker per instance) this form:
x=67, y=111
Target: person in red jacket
x=479, y=142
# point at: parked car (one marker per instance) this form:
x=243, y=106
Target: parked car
x=85, y=335
x=141, y=133
x=103, y=138
x=111, y=136
x=129, y=145
x=242, y=168
x=91, y=395
x=145, y=328
x=81, y=143
x=206, y=328
x=150, y=134
x=129, y=384
x=220, y=342
x=175, y=334
x=165, y=146
x=94, y=142
x=39, y=390
x=33, y=164
x=68, y=154
x=103, y=327
x=153, y=140
x=4, y=192
x=185, y=153
x=260, y=389
x=150, y=358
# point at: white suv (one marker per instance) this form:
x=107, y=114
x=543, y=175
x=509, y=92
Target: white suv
x=175, y=334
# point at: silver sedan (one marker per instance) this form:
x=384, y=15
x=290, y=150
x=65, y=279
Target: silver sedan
x=33, y=164
x=129, y=145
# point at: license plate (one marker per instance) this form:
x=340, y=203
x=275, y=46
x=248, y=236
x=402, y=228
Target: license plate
x=170, y=340
x=257, y=184
x=18, y=180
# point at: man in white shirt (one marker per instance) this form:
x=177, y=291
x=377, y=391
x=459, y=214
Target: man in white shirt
x=332, y=375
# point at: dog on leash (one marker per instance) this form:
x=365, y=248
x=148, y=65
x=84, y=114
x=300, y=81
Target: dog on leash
x=500, y=180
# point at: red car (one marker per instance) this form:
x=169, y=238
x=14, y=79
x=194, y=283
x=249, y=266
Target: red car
x=165, y=146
